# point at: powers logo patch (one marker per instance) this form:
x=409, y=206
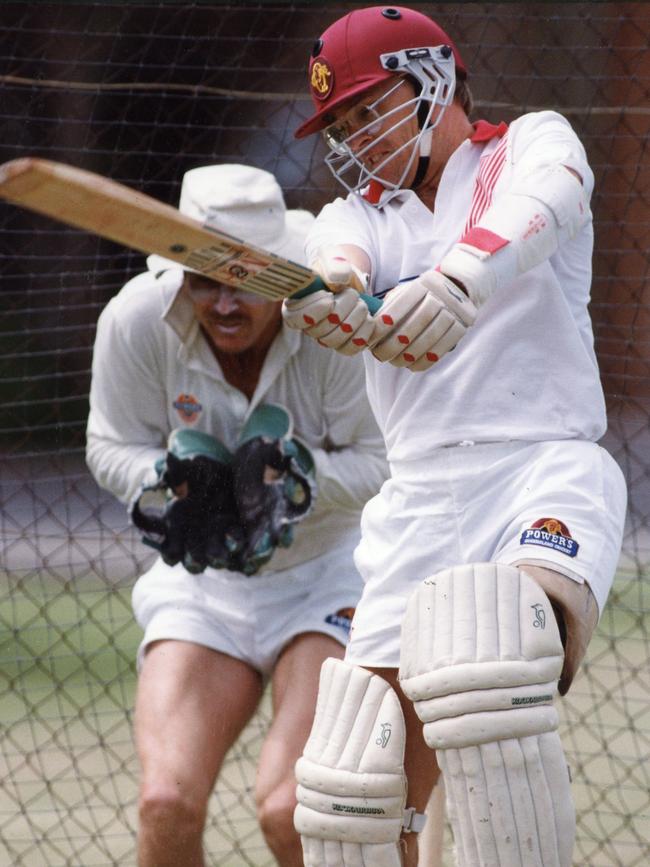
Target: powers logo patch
x=550, y=533
x=342, y=618
x=187, y=407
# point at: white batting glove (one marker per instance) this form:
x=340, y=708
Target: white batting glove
x=338, y=319
x=420, y=321
x=341, y=321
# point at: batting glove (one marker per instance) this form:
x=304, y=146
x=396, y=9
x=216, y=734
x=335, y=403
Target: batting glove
x=338, y=319
x=420, y=321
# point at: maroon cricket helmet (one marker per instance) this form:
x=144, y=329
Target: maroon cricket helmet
x=346, y=62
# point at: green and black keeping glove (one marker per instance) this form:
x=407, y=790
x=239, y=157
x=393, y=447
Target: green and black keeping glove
x=190, y=515
x=274, y=485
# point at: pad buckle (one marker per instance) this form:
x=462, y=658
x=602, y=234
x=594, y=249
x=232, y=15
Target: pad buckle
x=413, y=822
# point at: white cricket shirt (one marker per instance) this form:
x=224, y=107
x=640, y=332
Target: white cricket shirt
x=526, y=370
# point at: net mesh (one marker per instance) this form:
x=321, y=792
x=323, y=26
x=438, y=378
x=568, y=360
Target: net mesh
x=142, y=92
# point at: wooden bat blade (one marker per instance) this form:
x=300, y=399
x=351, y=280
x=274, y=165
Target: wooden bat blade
x=114, y=211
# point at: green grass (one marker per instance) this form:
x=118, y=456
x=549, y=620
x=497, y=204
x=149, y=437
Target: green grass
x=61, y=650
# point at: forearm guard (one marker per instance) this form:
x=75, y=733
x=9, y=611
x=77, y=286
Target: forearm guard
x=519, y=231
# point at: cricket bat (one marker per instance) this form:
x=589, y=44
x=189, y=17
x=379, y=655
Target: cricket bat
x=112, y=210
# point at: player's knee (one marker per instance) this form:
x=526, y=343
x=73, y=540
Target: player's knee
x=275, y=815
x=489, y=674
x=169, y=812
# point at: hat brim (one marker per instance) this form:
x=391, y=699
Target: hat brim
x=290, y=245
x=157, y=264
x=320, y=119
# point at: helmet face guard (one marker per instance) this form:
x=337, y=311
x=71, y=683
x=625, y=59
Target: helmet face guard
x=434, y=71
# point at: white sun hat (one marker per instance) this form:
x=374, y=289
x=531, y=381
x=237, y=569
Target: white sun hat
x=244, y=202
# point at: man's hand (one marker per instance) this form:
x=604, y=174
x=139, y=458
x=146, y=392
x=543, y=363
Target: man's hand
x=342, y=321
x=338, y=319
x=190, y=516
x=273, y=483
x=420, y=321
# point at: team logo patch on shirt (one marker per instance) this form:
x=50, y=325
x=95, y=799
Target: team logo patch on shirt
x=342, y=618
x=187, y=407
x=550, y=533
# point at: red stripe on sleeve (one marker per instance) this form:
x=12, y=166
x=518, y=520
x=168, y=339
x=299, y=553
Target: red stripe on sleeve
x=484, y=239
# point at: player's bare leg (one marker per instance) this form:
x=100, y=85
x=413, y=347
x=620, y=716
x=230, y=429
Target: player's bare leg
x=295, y=686
x=431, y=838
x=420, y=765
x=191, y=705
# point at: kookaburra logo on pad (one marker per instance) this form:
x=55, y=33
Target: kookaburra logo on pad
x=384, y=735
x=540, y=616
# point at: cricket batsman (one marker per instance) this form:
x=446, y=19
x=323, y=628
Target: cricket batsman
x=488, y=555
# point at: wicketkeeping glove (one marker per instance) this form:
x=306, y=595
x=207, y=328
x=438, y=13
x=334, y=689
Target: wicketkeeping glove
x=338, y=319
x=274, y=484
x=420, y=321
x=190, y=515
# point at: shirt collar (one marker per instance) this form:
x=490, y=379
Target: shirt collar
x=178, y=312
x=484, y=131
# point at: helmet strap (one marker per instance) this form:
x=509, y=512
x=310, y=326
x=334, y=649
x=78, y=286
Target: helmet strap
x=423, y=159
x=420, y=172
x=423, y=113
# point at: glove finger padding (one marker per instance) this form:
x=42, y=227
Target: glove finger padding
x=273, y=482
x=304, y=313
x=420, y=321
x=443, y=344
x=339, y=321
x=427, y=317
x=190, y=516
x=350, y=331
x=341, y=308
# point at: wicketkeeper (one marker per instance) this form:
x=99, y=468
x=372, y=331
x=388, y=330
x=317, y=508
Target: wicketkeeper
x=245, y=452
x=489, y=554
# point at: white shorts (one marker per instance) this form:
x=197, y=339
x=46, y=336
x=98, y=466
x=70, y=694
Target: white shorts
x=559, y=504
x=251, y=619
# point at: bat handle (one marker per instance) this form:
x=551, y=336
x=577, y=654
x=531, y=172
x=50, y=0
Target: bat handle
x=373, y=304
